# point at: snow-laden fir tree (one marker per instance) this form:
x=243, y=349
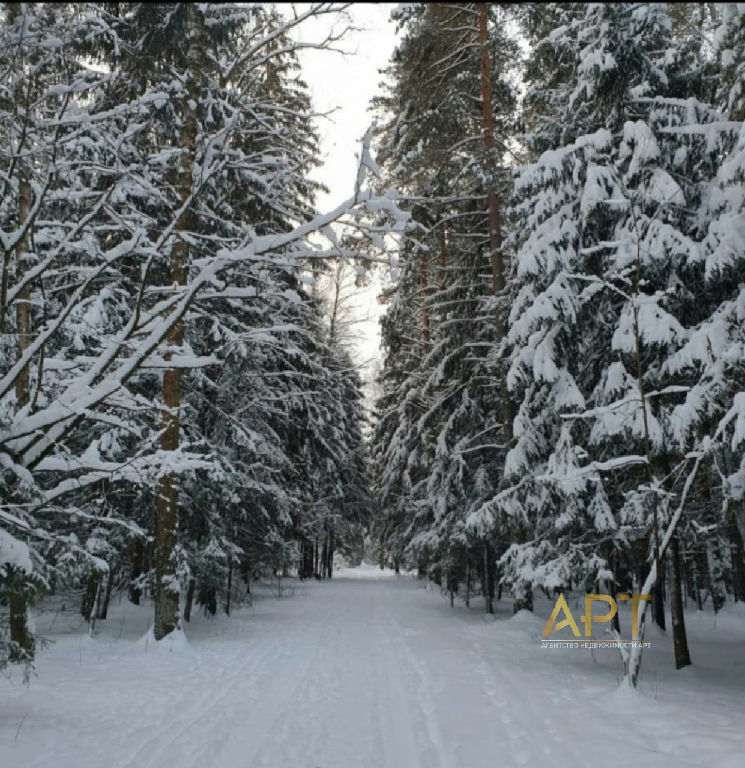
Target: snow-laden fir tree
x=169, y=185
x=598, y=285
x=440, y=441
x=47, y=267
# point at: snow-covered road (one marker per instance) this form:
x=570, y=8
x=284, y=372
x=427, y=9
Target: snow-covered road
x=360, y=672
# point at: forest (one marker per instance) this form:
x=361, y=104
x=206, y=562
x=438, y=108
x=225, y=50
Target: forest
x=178, y=414
x=552, y=196
x=561, y=402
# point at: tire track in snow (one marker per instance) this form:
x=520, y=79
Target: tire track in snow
x=360, y=706
x=296, y=729
x=229, y=715
x=291, y=714
x=193, y=718
x=397, y=736
x=436, y=753
x=521, y=731
x=505, y=719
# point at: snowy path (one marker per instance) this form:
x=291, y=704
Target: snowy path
x=356, y=673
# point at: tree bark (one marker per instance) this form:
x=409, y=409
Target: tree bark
x=230, y=585
x=246, y=574
x=738, y=562
x=167, y=509
x=718, y=594
x=492, y=201
x=468, y=581
x=310, y=565
x=700, y=574
x=443, y=240
x=137, y=568
x=424, y=291
x=451, y=585
x=488, y=579
x=330, y=554
x=23, y=302
x=635, y=656
x=103, y=604
x=324, y=553
x=656, y=587
x=89, y=596
x=19, y=632
x=493, y=207
x=615, y=622
x=658, y=597
x=680, y=641
x=189, y=598
x=23, y=642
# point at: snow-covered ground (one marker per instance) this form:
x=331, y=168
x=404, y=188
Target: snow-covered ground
x=368, y=671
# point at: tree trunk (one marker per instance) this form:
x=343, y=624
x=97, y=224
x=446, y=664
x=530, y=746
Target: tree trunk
x=424, y=291
x=688, y=582
x=207, y=598
x=492, y=201
x=488, y=579
x=89, y=596
x=680, y=641
x=699, y=592
x=615, y=622
x=166, y=524
x=23, y=302
x=468, y=581
x=167, y=509
x=23, y=642
x=443, y=242
x=324, y=553
x=103, y=603
x=716, y=588
x=307, y=559
x=635, y=656
x=137, y=568
x=189, y=598
x=735, y=507
x=493, y=213
x=738, y=561
x=330, y=554
x=658, y=599
x=701, y=575
x=230, y=585
x=19, y=632
x=246, y=574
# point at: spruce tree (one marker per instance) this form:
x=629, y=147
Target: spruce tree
x=443, y=146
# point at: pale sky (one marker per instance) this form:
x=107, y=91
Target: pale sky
x=346, y=83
